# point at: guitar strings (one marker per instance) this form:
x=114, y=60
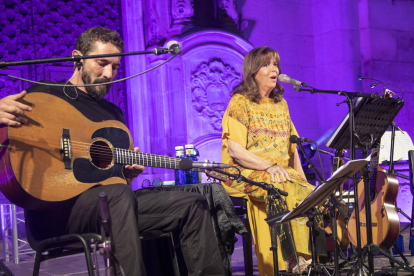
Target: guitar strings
x=169, y=162
x=94, y=146
x=105, y=153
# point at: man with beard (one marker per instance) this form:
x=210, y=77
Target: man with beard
x=185, y=214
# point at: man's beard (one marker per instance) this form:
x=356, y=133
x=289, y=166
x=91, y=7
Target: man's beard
x=96, y=92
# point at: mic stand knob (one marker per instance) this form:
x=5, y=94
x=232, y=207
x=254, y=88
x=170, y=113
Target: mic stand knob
x=109, y=271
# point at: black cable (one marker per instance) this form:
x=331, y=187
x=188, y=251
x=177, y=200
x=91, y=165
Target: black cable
x=117, y=263
x=320, y=160
x=85, y=85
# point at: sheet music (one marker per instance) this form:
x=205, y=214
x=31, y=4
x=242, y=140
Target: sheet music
x=402, y=145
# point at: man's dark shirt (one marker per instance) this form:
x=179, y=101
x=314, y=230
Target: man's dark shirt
x=96, y=111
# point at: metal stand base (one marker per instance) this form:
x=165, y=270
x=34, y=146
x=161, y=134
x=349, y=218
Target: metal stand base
x=314, y=267
x=375, y=249
x=12, y=245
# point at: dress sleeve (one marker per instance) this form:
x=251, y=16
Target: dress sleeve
x=235, y=124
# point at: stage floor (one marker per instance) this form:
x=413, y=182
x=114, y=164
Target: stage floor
x=75, y=265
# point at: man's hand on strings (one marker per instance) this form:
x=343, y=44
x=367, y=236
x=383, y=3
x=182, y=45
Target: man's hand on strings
x=12, y=111
x=279, y=172
x=132, y=171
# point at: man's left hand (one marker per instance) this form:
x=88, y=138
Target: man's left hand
x=132, y=171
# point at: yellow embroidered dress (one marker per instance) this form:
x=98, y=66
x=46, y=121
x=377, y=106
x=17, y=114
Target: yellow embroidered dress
x=264, y=129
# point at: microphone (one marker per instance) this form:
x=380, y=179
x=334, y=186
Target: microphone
x=187, y=164
x=286, y=79
x=295, y=139
x=173, y=47
x=105, y=215
x=373, y=85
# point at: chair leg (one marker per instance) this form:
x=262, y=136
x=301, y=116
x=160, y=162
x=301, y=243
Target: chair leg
x=88, y=257
x=174, y=255
x=247, y=250
x=36, y=267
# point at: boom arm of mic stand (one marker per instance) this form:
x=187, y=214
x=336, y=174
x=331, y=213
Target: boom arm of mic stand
x=262, y=185
x=4, y=64
x=338, y=92
x=311, y=163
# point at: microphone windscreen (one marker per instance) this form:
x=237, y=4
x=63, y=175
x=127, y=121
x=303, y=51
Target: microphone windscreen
x=283, y=78
x=293, y=139
x=103, y=198
x=186, y=164
x=174, y=47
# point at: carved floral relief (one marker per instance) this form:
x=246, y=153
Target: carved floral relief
x=211, y=86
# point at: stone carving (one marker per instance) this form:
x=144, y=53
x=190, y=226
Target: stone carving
x=182, y=12
x=228, y=18
x=226, y=14
x=152, y=26
x=211, y=86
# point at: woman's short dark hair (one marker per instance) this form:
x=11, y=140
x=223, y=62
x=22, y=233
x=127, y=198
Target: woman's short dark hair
x=86, y=40
x=252, y=63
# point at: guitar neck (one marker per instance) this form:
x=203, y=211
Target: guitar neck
x=129, y=157
x=373, y=167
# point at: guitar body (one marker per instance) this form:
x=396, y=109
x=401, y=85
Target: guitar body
x=35, y=174
x=385, y=221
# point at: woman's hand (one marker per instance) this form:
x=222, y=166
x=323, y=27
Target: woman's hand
x=132, y=171
x=279, y=172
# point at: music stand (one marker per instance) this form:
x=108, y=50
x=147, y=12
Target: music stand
x=318, y=197
x=371, y=118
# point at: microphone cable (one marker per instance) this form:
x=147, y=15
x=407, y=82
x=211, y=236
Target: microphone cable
x=96, y=84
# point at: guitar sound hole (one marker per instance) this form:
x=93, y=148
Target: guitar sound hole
x=101, y=154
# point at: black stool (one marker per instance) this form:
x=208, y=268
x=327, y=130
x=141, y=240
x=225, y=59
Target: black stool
x=71, y=244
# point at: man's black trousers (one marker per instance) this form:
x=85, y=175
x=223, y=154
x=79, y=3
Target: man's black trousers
x=185, y=214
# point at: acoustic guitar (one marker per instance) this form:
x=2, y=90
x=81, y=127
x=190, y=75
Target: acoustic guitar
x=60, y=153
x=385, y=221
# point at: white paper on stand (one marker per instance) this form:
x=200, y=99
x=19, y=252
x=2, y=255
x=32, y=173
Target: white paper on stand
x=402, y=144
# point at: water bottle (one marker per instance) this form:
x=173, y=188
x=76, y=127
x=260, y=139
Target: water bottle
x=191, y=153
x=179, y=174
x=400, y=244
x=412, y=245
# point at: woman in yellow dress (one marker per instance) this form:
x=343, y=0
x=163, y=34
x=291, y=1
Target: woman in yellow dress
x=256, y=131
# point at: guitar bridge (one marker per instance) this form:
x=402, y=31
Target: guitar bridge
x=66, y=149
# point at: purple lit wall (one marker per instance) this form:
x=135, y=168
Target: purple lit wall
x=325, y=43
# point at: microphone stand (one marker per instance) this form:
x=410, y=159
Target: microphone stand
x=331, y=207
x=273, y=215
x=370, y=248
x=77, y=58
x=106, y=225
x=350, y=101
